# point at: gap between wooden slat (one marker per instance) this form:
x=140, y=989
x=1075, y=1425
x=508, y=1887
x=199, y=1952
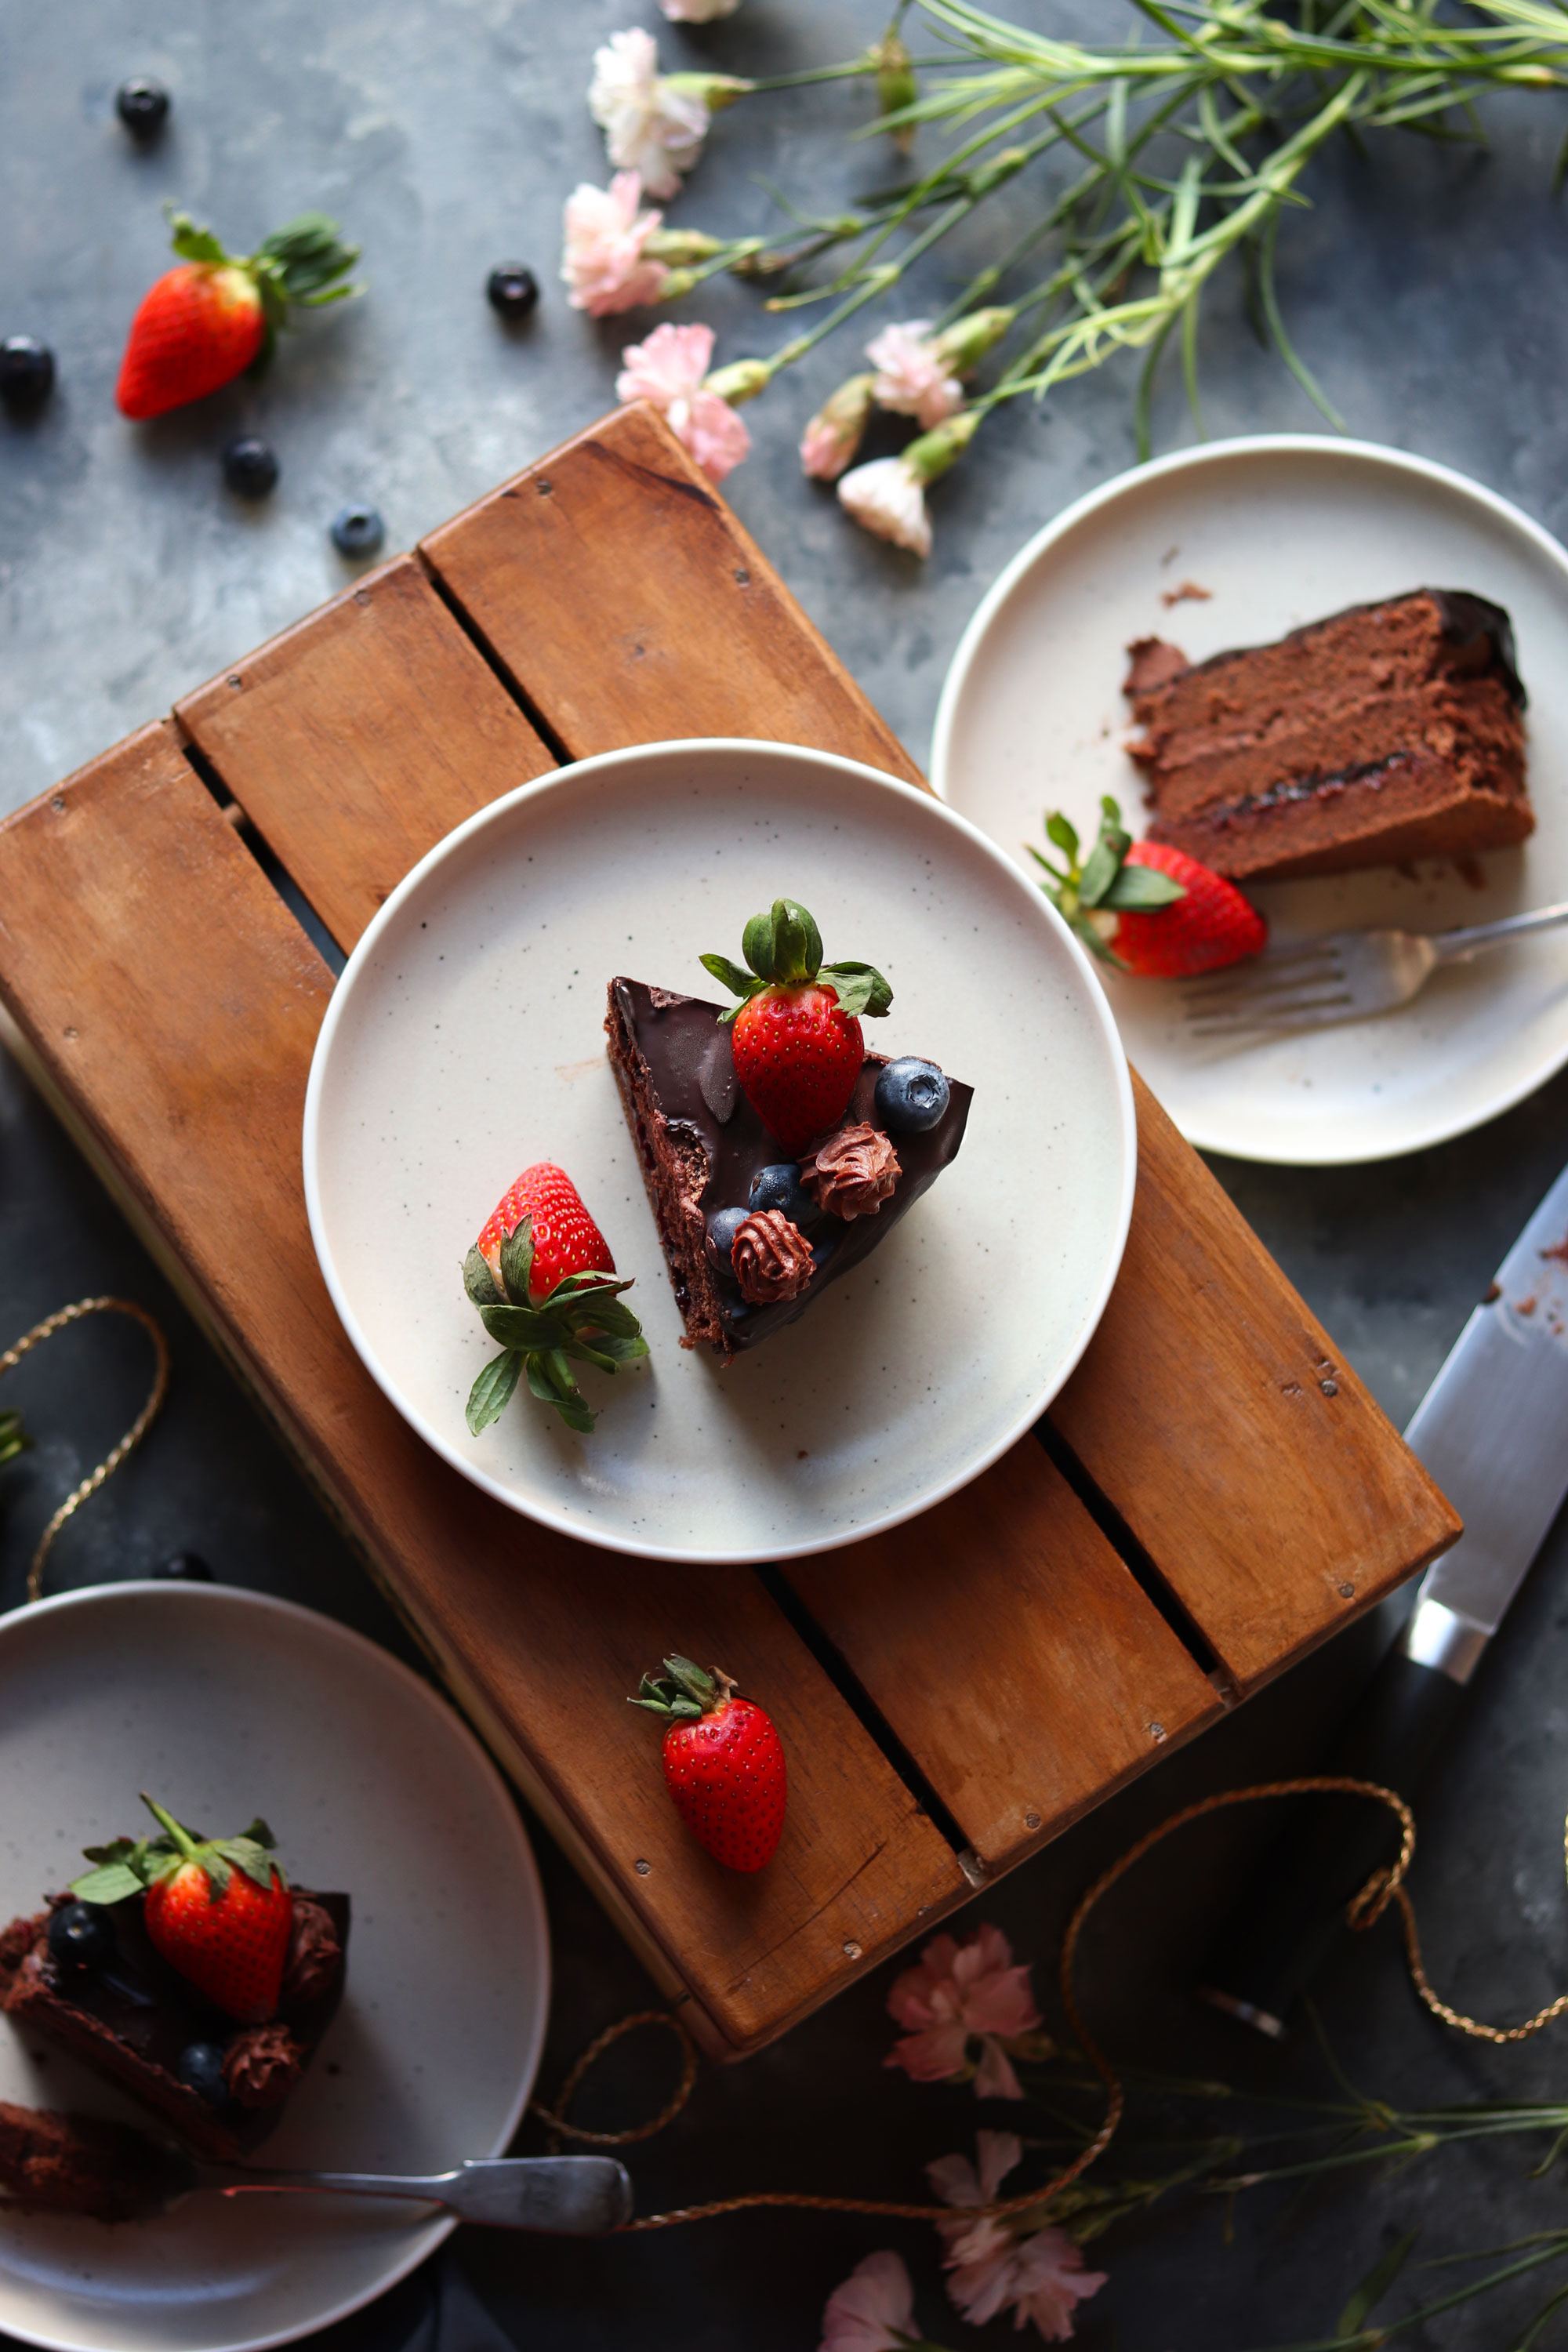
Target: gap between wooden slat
x=499, y=670
x=1138, y=1563
x=266, y=857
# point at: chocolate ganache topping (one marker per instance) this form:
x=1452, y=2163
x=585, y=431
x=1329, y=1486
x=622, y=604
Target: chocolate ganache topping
x=853, y=1172
x=771, y=1258
x=262, y=2065
x=314, y=1954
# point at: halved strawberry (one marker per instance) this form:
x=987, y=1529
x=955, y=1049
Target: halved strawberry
x=218, y=1909
x=541, y=1275
x=797, y=1043
x=1170, y=917
x=218, y=313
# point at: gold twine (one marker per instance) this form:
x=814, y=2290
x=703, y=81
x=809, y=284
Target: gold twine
x=1366, y=1908
x=133, y=1436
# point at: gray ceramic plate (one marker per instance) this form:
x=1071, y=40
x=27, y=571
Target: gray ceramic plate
x=465, y=1040
x=226, y=1704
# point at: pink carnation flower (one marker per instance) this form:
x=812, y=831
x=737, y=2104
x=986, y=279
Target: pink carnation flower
x=668, y=370
x=873, y=2311
x=960, y=1992
x=603, y=262
x=1040, y=2278
x=911, y=376
x=651, y=124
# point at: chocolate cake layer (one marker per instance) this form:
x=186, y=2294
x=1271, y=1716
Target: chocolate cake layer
x=699, y=1143
x=51, y=2163
x=131, y=2020
x=1384, y=733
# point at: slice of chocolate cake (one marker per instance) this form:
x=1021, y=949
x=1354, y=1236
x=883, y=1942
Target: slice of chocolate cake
x=1387, y=732
x=753, y=1235
x=51, y=2163
x=99, y=1990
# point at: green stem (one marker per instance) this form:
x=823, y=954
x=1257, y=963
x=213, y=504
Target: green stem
x=184, y=1840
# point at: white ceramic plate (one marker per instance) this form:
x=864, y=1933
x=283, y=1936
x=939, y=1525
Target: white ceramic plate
x=1281, y=530
x=465, y=1039
x=226, y=1704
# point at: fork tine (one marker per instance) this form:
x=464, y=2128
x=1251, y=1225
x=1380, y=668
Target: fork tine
x=1291, y=971
x=1290, y=1012
x=1263, y=993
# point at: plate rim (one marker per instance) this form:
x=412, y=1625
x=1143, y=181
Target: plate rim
x=560, y=778
x=428, y=2237
x=1177, y=461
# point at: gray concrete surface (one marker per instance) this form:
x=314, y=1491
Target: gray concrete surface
x=1426, y=288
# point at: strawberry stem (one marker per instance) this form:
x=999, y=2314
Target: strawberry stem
x=186, y=1842
x=684, y=1692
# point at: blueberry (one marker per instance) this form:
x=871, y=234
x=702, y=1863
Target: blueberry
x=779, y=1187
x=185, y=1567
x=143, y=105
x=357, y=530
x=249, y=467
x=722, y=1227
x=81, y=1937
x=513, y=289
x=911, y=1096
x=26, y=371
x=201, y=2070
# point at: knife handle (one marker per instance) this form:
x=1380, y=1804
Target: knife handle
x=1330, y=1846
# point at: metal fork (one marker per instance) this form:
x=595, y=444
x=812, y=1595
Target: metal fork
x=574, y=2196
x=1345, y=976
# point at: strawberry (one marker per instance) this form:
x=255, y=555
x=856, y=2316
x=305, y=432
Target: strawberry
x=218, y=1909
x=724, y=1762
x=207, y=322
x=797, y=1041
x=541, y=1275
x=1173, y=917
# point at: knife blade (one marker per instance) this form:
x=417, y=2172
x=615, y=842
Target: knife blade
x=1492, y=1429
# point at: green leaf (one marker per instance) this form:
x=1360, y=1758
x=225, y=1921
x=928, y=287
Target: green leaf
x=307, y=257
x=691, y=1679
x=491, y=1392
x=1142, y=887
x=1374, y=2286
x=111, y=1883
x=253, y=1859
x=756, y=946
x=218, y=1875
x=550, y=1379
x=259, y=1834
x=612, y=1349
x=523, y=1326
x=517, y=1264
x=1099, y=872
x=613, y=1320
x=860, y=990
x=1062, y=836
x=480, y=1282
x=729, y=975
x=797, y=953
x=194, y=244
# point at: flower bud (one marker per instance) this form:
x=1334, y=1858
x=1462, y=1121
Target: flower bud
x=711, y=90
x=677, y=282
x=836, y=432
x=896, y=85
x=929, y=458
x=965, y=344
x=741, y=380
x=681, y=246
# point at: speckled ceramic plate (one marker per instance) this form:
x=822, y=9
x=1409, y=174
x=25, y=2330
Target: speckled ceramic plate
x=226, y=1704
x=1280, y=531
x=465, y=1039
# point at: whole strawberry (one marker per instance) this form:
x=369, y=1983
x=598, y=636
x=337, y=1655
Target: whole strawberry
x=218, y=1909
x=218, y=313
x=1173, y=917
x=724, y=1762
x=796, y=1038
x=541, y=1275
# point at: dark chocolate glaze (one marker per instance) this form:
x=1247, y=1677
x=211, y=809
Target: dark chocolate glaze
x=1479, y=631
x=689, y=1074
x=132, y=2019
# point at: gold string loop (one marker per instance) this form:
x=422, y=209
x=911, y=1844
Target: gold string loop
x=133, y=1436
x=590, y=2058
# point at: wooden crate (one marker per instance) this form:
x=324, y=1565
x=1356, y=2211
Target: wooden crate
x=1215, y=1491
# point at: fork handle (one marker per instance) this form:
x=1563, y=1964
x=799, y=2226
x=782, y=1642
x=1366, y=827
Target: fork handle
x=1453, y=947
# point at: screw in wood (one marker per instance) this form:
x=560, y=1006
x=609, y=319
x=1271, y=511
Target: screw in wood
x=1330, y=1388
x=1156, y=1731
x=642, y=1868
x=1031, y=1820
x=852, y=1950
x=1347, y=1592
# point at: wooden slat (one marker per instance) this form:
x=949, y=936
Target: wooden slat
x=1216, y=1414
x=184, y=1042
x=616, y=586
x=375, y=717
x=1013, y=1653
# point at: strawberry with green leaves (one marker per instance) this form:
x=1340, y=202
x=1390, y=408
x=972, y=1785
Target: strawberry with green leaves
x=541, y=1275
x=218, y=1909
x=218, y=313
x=724, y=1762
x=796, y=1035
x=1173, y=917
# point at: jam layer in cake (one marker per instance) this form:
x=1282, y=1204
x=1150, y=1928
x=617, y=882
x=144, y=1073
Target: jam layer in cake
x=136, y=2020
x=701, y=1146
x=1387, y=732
